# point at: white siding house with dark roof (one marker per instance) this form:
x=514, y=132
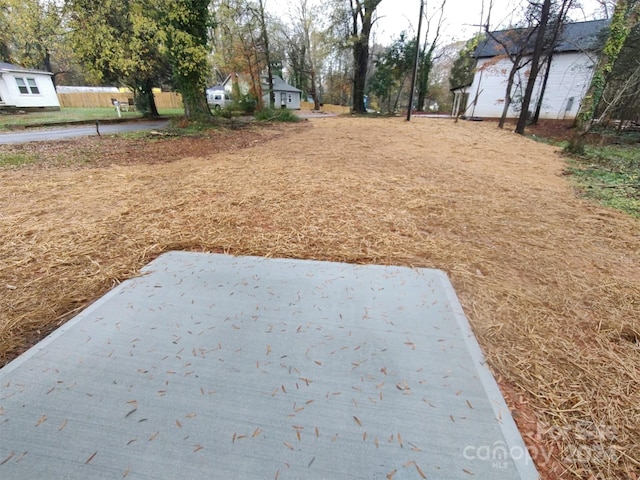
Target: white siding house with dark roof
x=569, y=76
x=26, y=89
x=286, y=96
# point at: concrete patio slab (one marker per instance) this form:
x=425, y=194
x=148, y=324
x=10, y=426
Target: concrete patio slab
x=212, y=366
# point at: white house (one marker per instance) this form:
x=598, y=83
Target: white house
x=26, y=89
x=569, y=75
x=286, y=96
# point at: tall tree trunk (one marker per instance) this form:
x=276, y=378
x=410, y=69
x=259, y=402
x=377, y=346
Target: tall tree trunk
x=426, y=62
x=151, y=100
x=314, y=90
x=423, y=79
x=535, y=66
x=46, y=62
x=622, y=22
x=362, y=17
x=195, y=103
x=188, y=48
x=557, y=30
x=543, y=89
x=267, y=54
x=400, y=89
x=361, y=64
x=507, y=94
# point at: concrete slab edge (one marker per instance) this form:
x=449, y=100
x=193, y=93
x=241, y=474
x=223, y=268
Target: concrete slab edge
x=516, y=450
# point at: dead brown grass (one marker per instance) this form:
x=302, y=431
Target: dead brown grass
x=550, y=283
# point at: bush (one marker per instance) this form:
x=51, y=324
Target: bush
x=282, y=115
x=246, y=103
x=192, y=126
x=226, y=112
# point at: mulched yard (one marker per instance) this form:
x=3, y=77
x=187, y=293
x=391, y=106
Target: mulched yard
x=550, y=282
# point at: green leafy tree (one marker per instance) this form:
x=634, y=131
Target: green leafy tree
x=4, y=30
x=621, y=98
x=121, y=42
x=625, y=18
x=463, y=68
x=382, y=85
x=33, y=35
x=35, y=30
x=392, y=70
x=186, y=24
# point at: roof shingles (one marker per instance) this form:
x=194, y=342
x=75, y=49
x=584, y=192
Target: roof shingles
x=575, y=37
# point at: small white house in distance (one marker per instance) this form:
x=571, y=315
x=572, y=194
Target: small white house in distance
x=286, y=96
x=569, y=76
x=26, y=89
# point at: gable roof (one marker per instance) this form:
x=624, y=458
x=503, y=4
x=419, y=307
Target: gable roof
x=10, y=67
x=575, y=37
x=279, y=85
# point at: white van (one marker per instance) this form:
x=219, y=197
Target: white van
x=218, y=99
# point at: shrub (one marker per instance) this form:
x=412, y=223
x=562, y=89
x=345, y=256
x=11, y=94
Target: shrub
x=246, y=103
x=282, y=115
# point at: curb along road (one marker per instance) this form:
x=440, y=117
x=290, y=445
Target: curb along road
x=59, y=132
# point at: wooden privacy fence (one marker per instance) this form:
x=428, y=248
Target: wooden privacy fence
x=100, y=99
x=163, y=100
x=339, y=109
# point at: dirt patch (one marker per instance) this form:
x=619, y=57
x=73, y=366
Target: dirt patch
x=550, y=282
x=556, y=130
x=152, y=148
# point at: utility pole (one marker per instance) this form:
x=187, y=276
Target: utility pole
x=415, y=65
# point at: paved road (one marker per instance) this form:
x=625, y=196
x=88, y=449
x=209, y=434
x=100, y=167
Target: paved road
x=59, y=133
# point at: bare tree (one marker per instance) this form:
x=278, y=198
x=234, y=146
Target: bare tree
x=558, y=25
x=513, y=43
x=427, y=53
x=260, y=15
x=607, y=7
x=535, y=65
x=305, y=48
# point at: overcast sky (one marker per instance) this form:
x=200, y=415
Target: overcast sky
x=460, y=15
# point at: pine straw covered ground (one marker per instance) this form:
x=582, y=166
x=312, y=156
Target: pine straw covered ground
x=550, y=282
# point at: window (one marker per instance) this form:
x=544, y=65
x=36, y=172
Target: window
x=27, y=86
x=290, y=98
x=22, y=86
x=569, y=104
x=33, y=86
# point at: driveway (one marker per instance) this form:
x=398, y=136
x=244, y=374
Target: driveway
x=59, y=133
